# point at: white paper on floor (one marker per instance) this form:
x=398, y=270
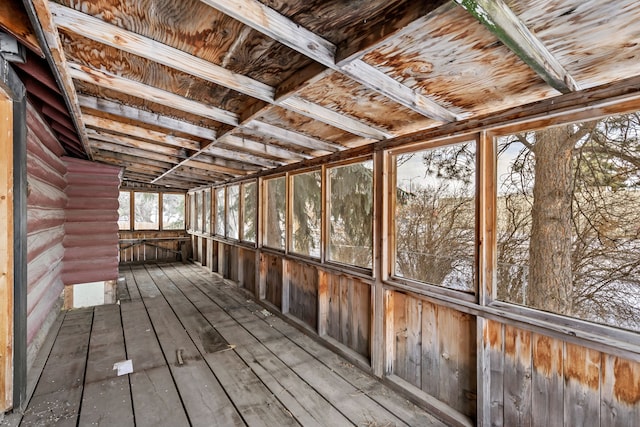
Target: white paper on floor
x=125, y=367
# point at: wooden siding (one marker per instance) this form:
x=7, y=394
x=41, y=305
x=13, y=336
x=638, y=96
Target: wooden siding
x=91, y=230
x=272, y=265
x=541, y=381
x=143, y=246
x=303, y=293
x=435, y=350
x=247, y=269
x=46, y=204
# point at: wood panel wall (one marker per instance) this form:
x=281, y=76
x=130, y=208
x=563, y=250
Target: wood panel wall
x=303, y=292
x=271, y=265
x=154, y=246
x=46, y=202
x=91, y=228
x=247, y=270
x=543, y=381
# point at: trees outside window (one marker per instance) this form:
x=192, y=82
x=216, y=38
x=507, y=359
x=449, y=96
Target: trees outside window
x=146, y=206
x=124, y=210
x=306, y=214
x=233, y=200
x=198, y=197
x=275, y=212
x=568, y=210
x=220, y=208
x=172, y=211
x=249, y=206
x=434, y=216
x=206, y=210
x=351, y=214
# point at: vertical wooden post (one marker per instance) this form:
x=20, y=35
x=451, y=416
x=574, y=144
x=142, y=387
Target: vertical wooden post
x=6, y=253
x=323, y=302
x=286, y=286
x=486, y=221
x=380, y=258
x=261, y=271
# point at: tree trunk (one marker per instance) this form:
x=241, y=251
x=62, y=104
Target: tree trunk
x=550, y=277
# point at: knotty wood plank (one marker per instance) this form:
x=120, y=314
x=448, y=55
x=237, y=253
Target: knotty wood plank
x=494, y=338
x=517, y=377
x=620, y=392
x=357, y=407
x=547, y=393
x=582, y=385
x=57, y=396
x=204, y=399
x=307, y=406
x=155, y=398
x=106, y=397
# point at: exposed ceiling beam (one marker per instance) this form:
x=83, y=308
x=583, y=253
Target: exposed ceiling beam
x=142, y=153
x=140, y=132
x=40, y=10
x=111, y=35
x=227, y=170
x=144, y=116
x=503, y=22
x=260, y=147
x=267, y=21
x=293, y=137
x=151, y=93
x=100, y=135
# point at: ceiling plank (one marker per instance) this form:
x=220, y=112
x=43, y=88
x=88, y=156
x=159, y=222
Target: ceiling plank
x=144, y=116
x=15, y=21
x=139, y=132
x=216, y=168
x=143, y=154
x=412, y=17
x=267, y=21
x=102, y=32
x=243, y=157
x=151, y=93
x=500, y=20
x=40, y=10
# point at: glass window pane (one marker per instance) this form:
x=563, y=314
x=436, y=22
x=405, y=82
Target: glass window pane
x=206, y=210
x=351, y=214
x=435, y=216
x=124, y=211
x=274, y=214
x=192, y=210
x=233, y=195
x=198, y=225
x=250, y=202
x=146, y=207
x=220, y=211
x=568, y=210
x=172, y=211
x=306, y=213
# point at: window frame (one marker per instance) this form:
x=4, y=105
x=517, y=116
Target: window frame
x=186, y=211
x=263, y=201
x=242, y=213
x=290, y=195
x=227, y=210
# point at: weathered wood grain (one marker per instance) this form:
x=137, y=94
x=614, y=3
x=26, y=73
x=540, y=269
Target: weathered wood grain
x=547, y=384
x=582, y=385
x=517, y=377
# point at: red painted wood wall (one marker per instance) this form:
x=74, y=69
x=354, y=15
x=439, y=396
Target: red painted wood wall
x=45, y=222
x=91, y=227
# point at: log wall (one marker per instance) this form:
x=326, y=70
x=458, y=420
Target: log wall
x=46, y=204
x=91, y=227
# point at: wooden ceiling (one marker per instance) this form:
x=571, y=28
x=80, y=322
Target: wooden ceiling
x=189, y=93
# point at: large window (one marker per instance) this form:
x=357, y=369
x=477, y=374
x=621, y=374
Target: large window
x=568, y=209
x=124, y=210
x=146, y=207
x=351, y=214
x=172, y=211
x=434, y=216
x=206, y=209
x=249, y=206
x=275, y=212
x=306, y=216
x=219, y=211
x=233, y=212
x=198, y=225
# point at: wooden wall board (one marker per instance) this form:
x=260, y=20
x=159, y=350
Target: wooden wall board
x=517, y=376
x=248, y=268
x=303, y=293
x=547, y=385
x=582, y=378
x=274, y=276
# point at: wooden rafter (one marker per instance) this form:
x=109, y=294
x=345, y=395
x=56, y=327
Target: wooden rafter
x=40, y=9
x=144, y=116
x=500, y=20
x=267, y=21
x=111, y=35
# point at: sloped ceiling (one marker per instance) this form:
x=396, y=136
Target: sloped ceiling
x=189, y=93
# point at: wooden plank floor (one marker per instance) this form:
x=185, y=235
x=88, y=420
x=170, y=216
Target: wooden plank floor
x=203, y=355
